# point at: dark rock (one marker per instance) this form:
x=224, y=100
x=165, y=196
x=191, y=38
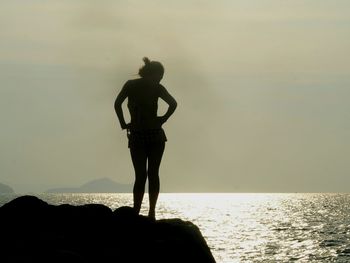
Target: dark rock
x=34, y=231
x=5, y=189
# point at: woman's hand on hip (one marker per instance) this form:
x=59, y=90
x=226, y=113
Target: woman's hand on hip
x=126, y=126
x=162, y=120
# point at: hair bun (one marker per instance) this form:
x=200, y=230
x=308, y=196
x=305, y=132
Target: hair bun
x=151, y=68
x=146, y=60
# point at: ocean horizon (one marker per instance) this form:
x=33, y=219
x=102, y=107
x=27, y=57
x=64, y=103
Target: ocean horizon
x=247, y=227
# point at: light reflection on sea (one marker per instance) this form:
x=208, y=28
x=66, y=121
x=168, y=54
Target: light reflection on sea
x=251, y=227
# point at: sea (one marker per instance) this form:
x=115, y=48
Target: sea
x=249, y=227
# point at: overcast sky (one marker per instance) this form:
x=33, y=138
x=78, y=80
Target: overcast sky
x=262, y=88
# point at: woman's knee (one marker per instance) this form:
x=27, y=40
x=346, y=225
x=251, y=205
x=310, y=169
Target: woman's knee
x=140, y=177
x=153, y=176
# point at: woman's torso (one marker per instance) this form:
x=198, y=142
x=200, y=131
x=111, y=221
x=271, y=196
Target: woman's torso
x=143, y=104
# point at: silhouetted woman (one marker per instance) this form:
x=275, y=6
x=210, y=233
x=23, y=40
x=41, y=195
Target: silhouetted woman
x=146, y=136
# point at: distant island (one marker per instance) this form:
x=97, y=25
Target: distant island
x=5, y=189
x=103, y=185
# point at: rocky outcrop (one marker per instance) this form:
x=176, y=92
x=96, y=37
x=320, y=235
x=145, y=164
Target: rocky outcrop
x=5, y=189
x=34, y=231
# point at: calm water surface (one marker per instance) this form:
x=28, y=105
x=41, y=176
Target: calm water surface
x=251, y=227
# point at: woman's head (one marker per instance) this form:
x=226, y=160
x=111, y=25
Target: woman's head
x=152, y=69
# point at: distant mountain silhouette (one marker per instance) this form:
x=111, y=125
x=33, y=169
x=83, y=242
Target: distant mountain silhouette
x=103, y=185
x=5, y=189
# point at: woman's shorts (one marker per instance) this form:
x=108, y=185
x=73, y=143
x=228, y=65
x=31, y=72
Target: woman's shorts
x=145, y=138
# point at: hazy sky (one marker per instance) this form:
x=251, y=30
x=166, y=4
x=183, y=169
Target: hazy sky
x=262, y=88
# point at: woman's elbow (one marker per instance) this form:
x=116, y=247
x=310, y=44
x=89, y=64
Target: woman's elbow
x=174, y=104
x=118, y=102
x=117, y=105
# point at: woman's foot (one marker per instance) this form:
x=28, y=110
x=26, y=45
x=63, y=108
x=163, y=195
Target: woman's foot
x=137, y=210
x=152, y=215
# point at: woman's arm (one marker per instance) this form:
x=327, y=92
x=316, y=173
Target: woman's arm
x=164, y=94
x=123, y=94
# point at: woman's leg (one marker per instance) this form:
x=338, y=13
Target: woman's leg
x=155, y=154
x=139, y=160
